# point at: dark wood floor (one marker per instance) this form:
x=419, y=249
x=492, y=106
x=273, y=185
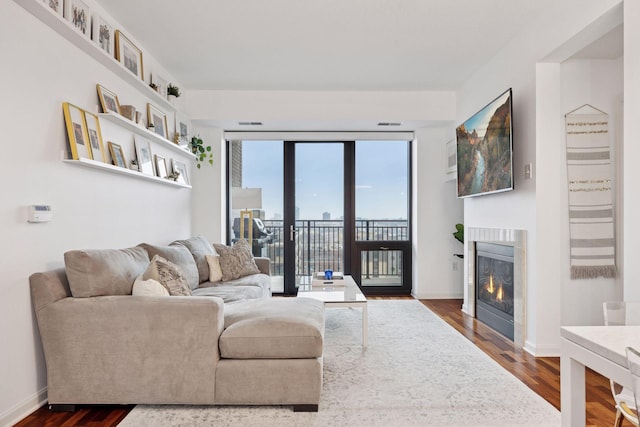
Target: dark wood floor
x=541, y=374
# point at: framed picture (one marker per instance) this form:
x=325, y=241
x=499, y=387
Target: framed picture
x=451, y=159
x=55, y=6
x=161, y=84
x=76, y=132
x=143, y=155
x=117, y=155
x=79, y=14
x=95, y=137
x=181, y=168
x=129, y=55
x=108, y=100
x=102, y=35
x=183, y=129
x=159, y=120
x=161, y=166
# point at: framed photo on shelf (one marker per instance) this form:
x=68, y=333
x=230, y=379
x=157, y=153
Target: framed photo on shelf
x=102, y=35
x=95, y=137
x=161, y=166
x=76, y=131
x=161, y=85
x=156, y=117
x=108, y=100
x=143, y=155
x=79, y=14
x=117, y=155
x=129, y=55
x=183, y=129
x=56, y=6
x=181, y=168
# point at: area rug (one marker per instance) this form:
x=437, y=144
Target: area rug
x=416, y=371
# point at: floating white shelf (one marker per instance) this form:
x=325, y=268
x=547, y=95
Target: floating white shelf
x=134, y=128
x=42, y=11
x=122, y=171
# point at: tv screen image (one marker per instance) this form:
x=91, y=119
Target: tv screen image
x=484, y=150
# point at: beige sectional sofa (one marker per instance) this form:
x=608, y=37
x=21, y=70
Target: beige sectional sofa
x=103, y=345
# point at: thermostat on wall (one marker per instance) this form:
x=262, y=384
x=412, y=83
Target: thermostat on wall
x=40, y=213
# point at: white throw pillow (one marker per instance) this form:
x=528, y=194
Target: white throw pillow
x=215, y=272
x=148, y=288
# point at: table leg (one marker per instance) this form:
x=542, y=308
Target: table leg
x=572, y=392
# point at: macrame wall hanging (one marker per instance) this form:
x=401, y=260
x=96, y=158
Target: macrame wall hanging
x=591, y=213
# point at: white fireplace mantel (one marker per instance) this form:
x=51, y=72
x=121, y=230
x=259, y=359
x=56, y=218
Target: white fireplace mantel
x=503, y=236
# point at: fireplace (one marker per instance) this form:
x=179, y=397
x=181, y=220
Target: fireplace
x=495, y=286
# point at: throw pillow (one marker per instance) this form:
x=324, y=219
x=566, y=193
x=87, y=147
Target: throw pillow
x=199, y=247
x=215, y=272
x=168, y=274
x=178, y=255
x=148, y=288
x=236, y=261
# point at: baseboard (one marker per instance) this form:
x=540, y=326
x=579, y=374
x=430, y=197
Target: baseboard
x=24, y=408
x=541, y=351
x=437, y=296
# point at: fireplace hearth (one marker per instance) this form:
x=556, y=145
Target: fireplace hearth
x=495, y=287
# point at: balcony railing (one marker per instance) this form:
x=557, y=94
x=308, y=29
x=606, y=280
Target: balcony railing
x=320, y=246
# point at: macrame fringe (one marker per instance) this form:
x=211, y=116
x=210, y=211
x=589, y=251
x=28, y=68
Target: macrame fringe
x=592, y=272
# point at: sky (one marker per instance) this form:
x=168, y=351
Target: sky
x=381, y=178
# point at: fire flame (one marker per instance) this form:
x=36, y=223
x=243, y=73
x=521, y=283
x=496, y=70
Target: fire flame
x=490, y=288
x=500, y=294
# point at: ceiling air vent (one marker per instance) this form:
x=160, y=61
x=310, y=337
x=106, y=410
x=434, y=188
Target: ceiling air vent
x=389, y=124
x=250, y=123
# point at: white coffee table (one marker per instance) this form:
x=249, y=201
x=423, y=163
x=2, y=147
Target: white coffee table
x=337, y=293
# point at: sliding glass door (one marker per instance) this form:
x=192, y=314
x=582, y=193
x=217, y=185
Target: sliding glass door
x=324, y=205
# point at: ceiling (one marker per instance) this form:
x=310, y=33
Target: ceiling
x=381, y=45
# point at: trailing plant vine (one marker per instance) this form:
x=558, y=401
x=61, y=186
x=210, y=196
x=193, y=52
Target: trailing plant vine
x=203, y=152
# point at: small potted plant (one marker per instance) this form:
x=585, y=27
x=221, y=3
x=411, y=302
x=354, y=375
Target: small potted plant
x=172, y=92
x=203, y=153
x=153, y=86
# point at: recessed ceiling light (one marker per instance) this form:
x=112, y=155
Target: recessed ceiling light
x=250, y=123
x=389, y=124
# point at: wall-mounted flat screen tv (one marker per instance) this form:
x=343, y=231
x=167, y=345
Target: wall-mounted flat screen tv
x=484, y=149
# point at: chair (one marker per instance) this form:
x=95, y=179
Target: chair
x=621, y=313
x=633, y=361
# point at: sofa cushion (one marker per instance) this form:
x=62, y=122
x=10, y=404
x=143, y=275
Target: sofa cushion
x=229, y=293
x=273, y=329
x=168, y=274
x=148, y=288
x=215, y=272
x=104, y=271
x=199, y=248
x=236, y=261
x=179, y=255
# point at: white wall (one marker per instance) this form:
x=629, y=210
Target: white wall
x=598, y=83
x=631, y=171
x=515, y=67
x=437, y=273
x=91, y=209
x=209, y=189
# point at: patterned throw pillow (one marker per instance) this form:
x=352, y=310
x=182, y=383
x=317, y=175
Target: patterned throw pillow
x=169, y=275
x=215, y=272
x=236, y=261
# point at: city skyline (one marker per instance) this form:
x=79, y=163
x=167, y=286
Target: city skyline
x=381, y=178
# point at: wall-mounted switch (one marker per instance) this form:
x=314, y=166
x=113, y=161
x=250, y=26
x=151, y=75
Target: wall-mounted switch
x=528, y=171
